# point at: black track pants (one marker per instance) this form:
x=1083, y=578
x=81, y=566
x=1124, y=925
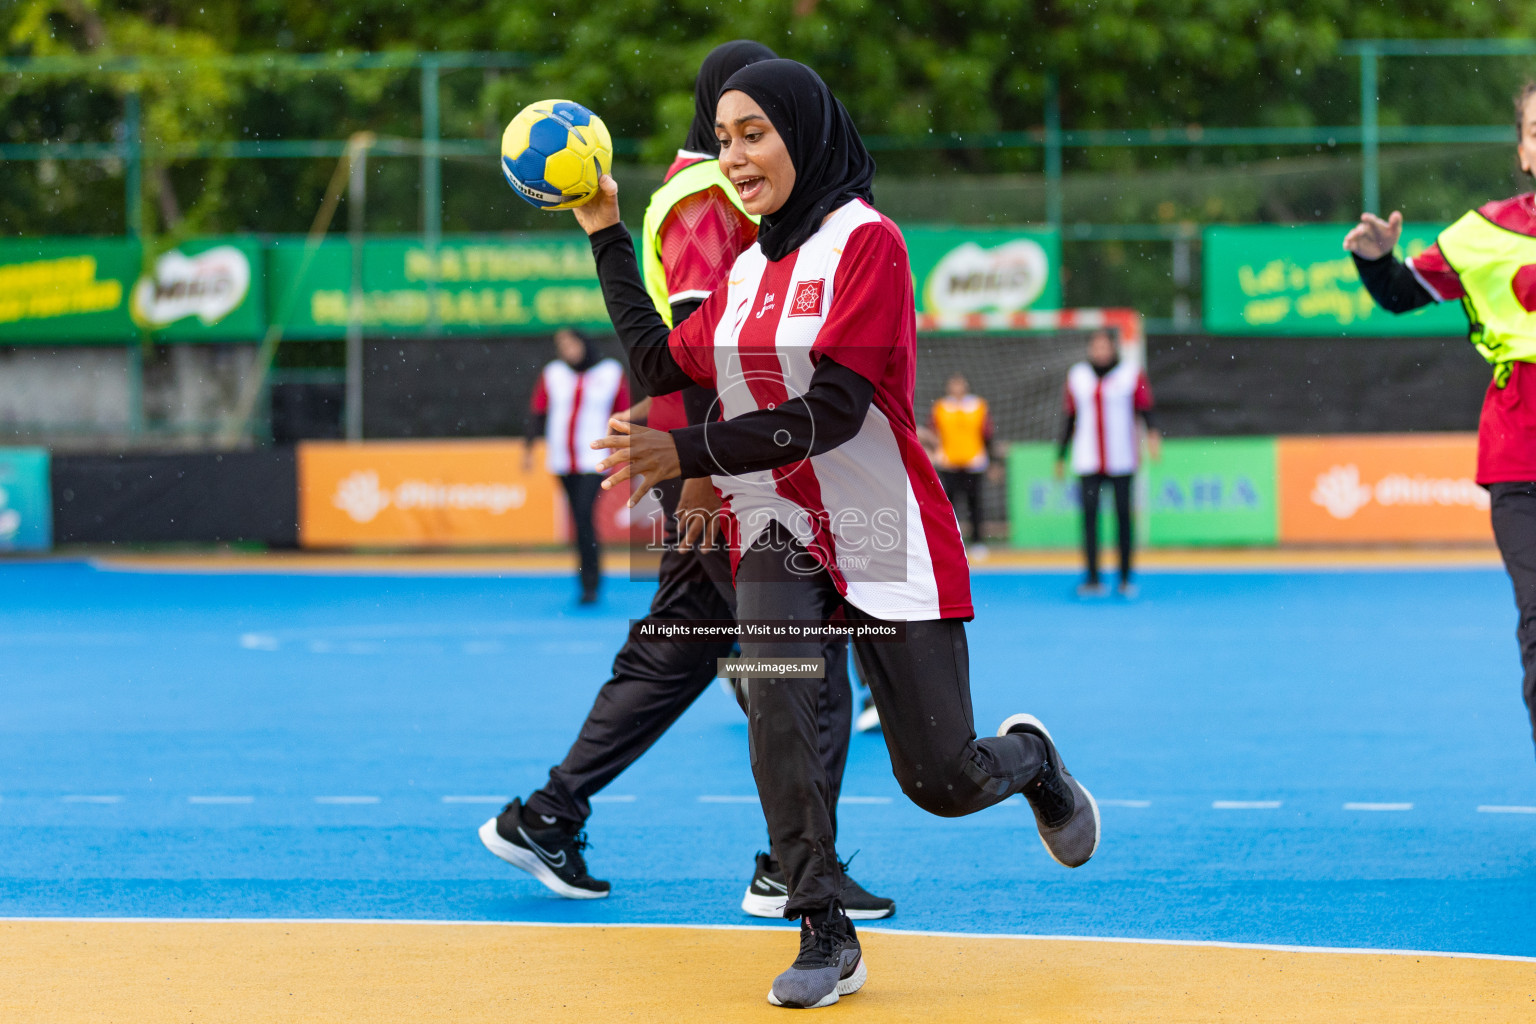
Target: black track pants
x=655, y=680
x=960, y=483
x=922, y=690
x=1088, y=490
x=1514, y=527
x=581, y=491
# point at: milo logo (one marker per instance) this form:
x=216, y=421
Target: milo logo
x=209, y=286
x=970, y=279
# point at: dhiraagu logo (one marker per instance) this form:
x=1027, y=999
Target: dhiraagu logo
x=970, y=279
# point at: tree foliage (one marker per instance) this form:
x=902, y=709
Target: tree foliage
x=903, y=67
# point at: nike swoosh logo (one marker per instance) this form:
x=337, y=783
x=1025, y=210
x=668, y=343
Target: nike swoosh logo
x=543, y=854
x=736, y=281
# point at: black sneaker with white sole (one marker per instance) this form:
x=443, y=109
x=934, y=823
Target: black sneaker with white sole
x=767, y=893
x=830, y=964
x=551, y=854
x=1065, y=812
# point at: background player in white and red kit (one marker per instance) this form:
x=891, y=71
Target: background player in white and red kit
x=1103, y=401
x=834, y=505
x=571, y=403
x=1487, y=259
x=694, y=230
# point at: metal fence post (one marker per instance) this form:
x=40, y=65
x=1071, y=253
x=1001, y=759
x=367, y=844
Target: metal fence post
x=431, y=177
x=357, y=198
x=1052, y=152
x=1370, y=133
x=132, y=149
x=431, y=157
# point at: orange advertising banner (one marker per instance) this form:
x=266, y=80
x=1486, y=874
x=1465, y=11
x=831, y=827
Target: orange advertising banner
x=1381, y=488
x=425, y=494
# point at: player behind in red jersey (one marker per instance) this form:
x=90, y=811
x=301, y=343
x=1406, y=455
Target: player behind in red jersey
x=694, y=229
x=1487, y=259
x=833, y=504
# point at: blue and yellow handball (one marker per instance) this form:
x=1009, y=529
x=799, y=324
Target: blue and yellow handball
x=554, y=152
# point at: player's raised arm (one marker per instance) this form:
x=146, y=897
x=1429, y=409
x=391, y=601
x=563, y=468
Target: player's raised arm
x=1390, y=281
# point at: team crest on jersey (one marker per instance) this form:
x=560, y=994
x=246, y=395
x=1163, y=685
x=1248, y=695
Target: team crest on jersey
x=807, y=301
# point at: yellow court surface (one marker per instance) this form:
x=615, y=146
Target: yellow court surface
x=278, y=971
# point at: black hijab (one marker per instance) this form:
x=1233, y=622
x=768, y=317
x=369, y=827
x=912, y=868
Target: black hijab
x=723, y=62
x=831, y=164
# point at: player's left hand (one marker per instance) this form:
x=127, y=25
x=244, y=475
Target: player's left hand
x=995, y=473
x=1155, y=445
x=645, y=455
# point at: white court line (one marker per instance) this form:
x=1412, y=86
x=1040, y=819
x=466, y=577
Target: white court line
x=727, y=799
x=864, y=800
x=475, y=799
x=1245, y=805
x=1106, y=939
x=1506, y=809
x=1124, y=803
x=346, y=799
x=73, y=799
x=607, y=798
x=221, y=799
x=1378, y=807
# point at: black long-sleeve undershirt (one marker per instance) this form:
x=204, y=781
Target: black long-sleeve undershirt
x=829, y=414
x=1392, y=284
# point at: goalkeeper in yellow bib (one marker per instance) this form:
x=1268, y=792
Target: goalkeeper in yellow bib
x=1487, y=259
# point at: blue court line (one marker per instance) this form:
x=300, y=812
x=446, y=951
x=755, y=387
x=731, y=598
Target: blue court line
x=1311, y=688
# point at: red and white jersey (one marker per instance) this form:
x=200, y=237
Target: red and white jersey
x=701, y=235
x=870, y=511
x=1105, y=439
x=577, y=405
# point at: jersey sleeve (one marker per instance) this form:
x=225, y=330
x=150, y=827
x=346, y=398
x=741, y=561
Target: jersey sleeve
x=1143, y=396
x=692, y=342
x=700, y=237
x=871, y=302
x=1432, y=271
x=1068, y=403
x=539, y=403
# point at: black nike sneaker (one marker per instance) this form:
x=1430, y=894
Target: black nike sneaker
x=830, y=964
x=1066, y=814
x=767, y=894
x=552, y=855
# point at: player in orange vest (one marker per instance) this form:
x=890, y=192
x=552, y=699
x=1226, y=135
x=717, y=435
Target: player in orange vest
x=962, y=431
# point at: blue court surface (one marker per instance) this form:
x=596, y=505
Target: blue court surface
x=1305, y=758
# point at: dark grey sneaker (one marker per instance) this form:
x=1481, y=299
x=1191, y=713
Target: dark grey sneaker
x=1065, y=813
x=767, y=893
x=830, y=965
x=552, y=855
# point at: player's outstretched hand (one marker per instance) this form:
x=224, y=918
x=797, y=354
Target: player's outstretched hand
x=648, y=456
x=1373, y=237
x=602, y=210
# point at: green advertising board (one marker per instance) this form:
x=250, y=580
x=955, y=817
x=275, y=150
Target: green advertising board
x=989, y=270
x=533, y=283
x=1299, y=281
x=1213, y=491
x=100, y=290
x=1204, y=491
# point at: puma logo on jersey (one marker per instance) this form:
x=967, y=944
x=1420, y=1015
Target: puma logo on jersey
x=767, y=305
